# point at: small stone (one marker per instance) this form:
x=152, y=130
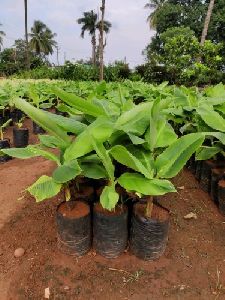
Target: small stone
x=47, y=293
x=180, y=187
x=19, y=252
x=191, y=215
x=66, y=288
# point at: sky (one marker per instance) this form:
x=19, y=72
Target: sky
x=129, y=35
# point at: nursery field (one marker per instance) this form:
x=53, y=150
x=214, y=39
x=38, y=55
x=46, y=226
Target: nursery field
x=112, y=191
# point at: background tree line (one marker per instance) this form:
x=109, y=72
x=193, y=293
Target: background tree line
x=189, y=44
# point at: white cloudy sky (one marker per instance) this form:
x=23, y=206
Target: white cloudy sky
x=128, y=37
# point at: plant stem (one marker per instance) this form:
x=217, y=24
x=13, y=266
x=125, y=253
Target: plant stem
x=1, y=134
x=149, y=207
x=67, y=196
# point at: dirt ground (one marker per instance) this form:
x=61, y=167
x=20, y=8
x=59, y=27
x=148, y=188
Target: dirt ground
x=193, y=266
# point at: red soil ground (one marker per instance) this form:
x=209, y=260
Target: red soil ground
x=193, y=266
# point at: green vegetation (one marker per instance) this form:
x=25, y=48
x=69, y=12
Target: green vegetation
x=151, y=130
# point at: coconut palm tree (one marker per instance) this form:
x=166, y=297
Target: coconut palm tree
x=42, y=39
x=207, y=21
x=2, y=34
x=26, y=36
x=91, y=24
x=154, y=6
x=101, y=41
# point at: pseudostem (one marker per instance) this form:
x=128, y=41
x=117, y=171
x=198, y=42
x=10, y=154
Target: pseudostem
x=149, y=207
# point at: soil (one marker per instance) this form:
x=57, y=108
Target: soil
x=84, y=191
x=192, y=268
x=79, y=210
x=218, y=172
x=119, y=209
x=158, y=213
x=221, y=183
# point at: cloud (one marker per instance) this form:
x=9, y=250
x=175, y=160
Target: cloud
x=128, y=37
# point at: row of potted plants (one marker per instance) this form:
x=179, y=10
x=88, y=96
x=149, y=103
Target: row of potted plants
x=211, y=175
x=133, y=148
x=127, y=146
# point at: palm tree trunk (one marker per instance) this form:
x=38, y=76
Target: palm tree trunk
x=93, y=41
x=26, y=37
x=207, y=21
x=101, y=46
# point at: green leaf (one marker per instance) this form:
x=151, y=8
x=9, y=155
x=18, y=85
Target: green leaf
x=123, y=156
x=105, y=158
x=109, y=198
x=31, y=151
x=212, y=118
x=134, y=182
x=163, y=135
x=50, y=141
x=136, y=113
x=68, y=124
x=173, y=159
x=219, y=135
x=92, y=158
x=79, y=103
x=66, y=172
x=68, y=109
x=135, y=139
x=133, y=115
x=45, y=187
x=101, y=129
x=216, y=91
x=94, y=171
x=22, y=153
x=42, y=118
x=205, y=153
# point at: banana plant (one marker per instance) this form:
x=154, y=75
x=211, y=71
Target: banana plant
x=39, y=100
x=151, y=170
x=67, y=166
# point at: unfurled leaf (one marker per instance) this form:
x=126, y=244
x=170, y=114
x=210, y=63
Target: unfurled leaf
x=134, y=182
x=94, y=171
x=109, y=198
x=51, y=141
x=205, y=152
x=68, y=124
x=101, y=129
x=79, y=103
x=105, y=158
x=212, y=118
x=123, y=156
x=133, y=115
x=29, y=152
x=45, y=187
x=173, y=159
x=42, y=118
x=67, y=172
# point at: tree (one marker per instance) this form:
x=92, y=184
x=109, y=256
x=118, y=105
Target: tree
x=207, y=21
x=2, y=34
x=154, y=6
x=101, y=42
x=42, y=39
x=13, y=60
x=91, y=24
x=188, y=13
x=179, y=57
x=26, y=36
